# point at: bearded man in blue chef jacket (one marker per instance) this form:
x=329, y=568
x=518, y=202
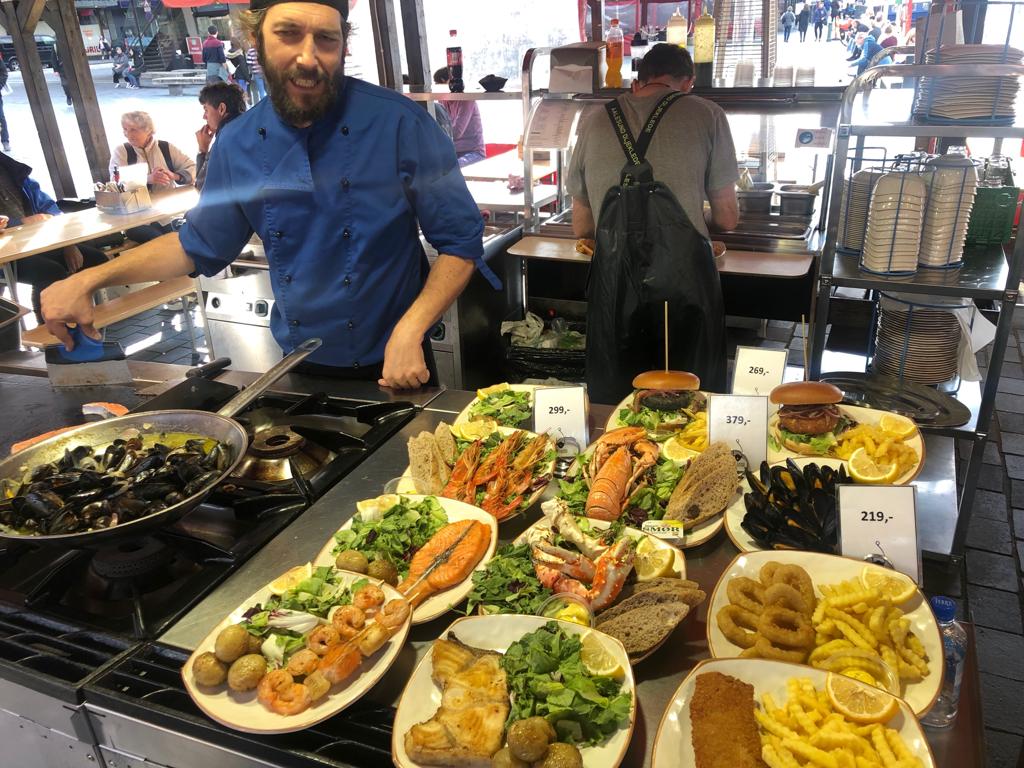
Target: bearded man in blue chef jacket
x=337, y=177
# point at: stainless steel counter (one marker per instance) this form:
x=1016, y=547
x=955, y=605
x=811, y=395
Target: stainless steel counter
x=657, y=677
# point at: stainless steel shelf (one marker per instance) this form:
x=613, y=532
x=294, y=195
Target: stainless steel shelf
x=937, y=131
x=983, y=276
x=937, y=497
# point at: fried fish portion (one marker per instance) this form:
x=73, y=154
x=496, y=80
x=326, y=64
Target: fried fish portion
x=724, y=731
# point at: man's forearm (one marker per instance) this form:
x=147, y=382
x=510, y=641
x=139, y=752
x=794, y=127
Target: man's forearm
x=159, y=259
x=445, y=282
x=583, y=226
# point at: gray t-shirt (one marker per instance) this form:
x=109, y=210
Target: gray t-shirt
x=691, y=153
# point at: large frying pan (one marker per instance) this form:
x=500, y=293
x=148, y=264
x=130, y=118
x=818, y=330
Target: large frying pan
x=219, y=426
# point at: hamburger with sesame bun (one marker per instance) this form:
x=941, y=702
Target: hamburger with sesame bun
x=663, y=399
x=809, y=421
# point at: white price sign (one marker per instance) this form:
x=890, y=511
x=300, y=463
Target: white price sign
x=741, y=422
x=757, y=371
x=879, y=523
x=664, y=529
x=561, y=412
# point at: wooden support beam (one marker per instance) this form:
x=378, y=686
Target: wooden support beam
x=414, y=27
x=385, y=38
x=29, y=13
x=63, y=18
x=39, y=101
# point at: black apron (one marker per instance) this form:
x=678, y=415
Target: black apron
x=648, y=252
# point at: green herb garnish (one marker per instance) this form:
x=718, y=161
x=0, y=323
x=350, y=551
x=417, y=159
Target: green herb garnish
x=508, y=584
x=509, y=408
x=402, y=530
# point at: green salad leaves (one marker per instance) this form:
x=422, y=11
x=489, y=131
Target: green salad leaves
x=509, y=408
x=648, y=503
x=547, y=678
x=395, y=537
x=650, y=419
x=508, y=584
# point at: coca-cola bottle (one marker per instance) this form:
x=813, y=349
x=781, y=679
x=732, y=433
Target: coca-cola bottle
x=455, y=84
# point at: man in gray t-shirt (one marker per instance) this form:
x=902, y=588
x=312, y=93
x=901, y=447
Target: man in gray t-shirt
x=691, y=152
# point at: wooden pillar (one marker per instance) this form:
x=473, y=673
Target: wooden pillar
x=385, y=39
x=596, y=19
x=62, y=16
x=415, y=30
x=21, y=20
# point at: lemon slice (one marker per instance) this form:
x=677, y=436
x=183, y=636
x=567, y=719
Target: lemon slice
x=652, y=561
x=891, y=584
x=674, y=449
x=575, y=613
x=475, y=430
x=597, y=658
x=494, y=389
x=897, y=426
x=290, y=578
x=863, y=469
x=859, y=702
x=859, y=674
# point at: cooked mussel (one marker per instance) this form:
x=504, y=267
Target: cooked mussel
x=793, y=507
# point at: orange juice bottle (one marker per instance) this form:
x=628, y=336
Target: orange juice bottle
x=613, y=56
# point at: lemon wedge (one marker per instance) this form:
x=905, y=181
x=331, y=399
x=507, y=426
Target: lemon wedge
x=597, y=658
x=291, y=578
x=474, y=430
x=864, y=469
x=891, y=584
x=860, y=674
x=494, y=389
x=897, y=425
x=575, y=613
x=674, y=449
x=652, y=561
x=859, y=702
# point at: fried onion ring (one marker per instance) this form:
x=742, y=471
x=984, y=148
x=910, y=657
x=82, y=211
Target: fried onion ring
x=768, y=571
x=785, y=596
x=746, y=593
x=737, y=625
x=786, y=628
x=765, y=649
x=796, y=577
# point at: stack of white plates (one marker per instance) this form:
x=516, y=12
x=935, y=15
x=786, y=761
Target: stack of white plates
x=783, y=77
x=895, y=216
x=968, y=98
x=805, y=76
x=744, y=75
x=856, y=197
x=952, y=184
x=920, y=345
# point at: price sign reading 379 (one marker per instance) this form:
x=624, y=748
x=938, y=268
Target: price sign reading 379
x=741, y=422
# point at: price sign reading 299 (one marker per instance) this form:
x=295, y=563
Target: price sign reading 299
x=741, y=422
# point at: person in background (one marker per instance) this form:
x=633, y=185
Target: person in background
x=23, y=202
x=120, y=65
x=169, y=167
x=134, y=72
x=788, y=19
x=213, y=57
x=889, y=38
x=803, y=18
x=868, y=51
x=467, y=129
x=241, y=74
x=58, y=67
x=222, y=103
x=819, y=16
x=855, y=45
x=5, y=137
x=180, y=61
x=256, y=72
x=104, y=47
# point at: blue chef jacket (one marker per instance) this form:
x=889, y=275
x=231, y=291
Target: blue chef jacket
x=336, y=205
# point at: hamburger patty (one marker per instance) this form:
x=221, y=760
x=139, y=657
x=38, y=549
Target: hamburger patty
x=809, y=419
x=666, y=399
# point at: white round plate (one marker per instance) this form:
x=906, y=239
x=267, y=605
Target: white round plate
x=464, y=413
x=832, y=569
x=444, y=601
x=673, y=745
x=243, y=712
x=422, y=697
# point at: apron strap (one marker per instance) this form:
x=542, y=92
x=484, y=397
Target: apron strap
x=637, y=169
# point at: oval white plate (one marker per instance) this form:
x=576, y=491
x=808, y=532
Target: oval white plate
x=421, y=697
x=464, y=413
x=673, y=745
x=444, y=601
x=408, y=485
x=831, y=569
x=738, y=509
x=862, y=416
x=243, y=712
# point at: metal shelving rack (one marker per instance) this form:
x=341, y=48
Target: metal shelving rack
x=989, y=274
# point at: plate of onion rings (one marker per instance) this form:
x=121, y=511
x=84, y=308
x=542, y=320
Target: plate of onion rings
x=906, y=635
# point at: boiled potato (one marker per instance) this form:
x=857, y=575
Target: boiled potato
x=231, y=643
x=247, y=671
x=209, y=670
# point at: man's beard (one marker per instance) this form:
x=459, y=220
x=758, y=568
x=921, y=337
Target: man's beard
x=289, y=110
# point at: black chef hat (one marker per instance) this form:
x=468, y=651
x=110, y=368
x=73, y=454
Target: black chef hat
x=340, y=5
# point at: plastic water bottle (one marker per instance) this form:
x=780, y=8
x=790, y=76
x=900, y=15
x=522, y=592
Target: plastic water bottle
x=613, y=56
x=954, y=649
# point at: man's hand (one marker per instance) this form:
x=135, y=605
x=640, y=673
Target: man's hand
x=36, y=217
x=404, y=366
x=73, y=258
x=68, y=301
x=204, y=138
x=161, y=176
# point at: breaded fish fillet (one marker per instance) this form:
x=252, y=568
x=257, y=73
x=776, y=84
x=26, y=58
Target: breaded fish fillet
x=724, y=731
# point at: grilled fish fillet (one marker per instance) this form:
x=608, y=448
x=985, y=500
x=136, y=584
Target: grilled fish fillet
x=469, y=726
x=724, y=731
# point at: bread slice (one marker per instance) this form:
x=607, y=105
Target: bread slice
x=707, y=488
x=446, y=443
x=688, y=592
x=639, y=600
x=423, y=461
x=642, y=629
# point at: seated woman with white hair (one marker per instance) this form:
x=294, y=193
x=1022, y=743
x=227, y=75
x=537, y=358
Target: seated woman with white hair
x=168, y=167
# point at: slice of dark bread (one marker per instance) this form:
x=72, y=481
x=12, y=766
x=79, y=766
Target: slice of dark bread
x=642, y=629
x=688, y=592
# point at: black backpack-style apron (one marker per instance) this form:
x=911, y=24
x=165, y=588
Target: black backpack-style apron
x=647, y=253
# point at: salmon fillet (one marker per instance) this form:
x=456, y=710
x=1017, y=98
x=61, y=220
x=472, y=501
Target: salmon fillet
x=723, y=728
x=456, y=567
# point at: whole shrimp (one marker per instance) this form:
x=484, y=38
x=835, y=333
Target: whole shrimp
x=339, y=662
x=302, y=662
x=348, y=620
x=368, y=599
x=389, y=620
x=279, y=692
x=322, y=639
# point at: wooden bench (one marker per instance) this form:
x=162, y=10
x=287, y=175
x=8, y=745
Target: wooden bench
x=122, y=308
x=176, y=80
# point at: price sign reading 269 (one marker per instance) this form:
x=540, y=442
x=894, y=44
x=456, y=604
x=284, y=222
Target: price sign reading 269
x=741, y=422
x=758, y=371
